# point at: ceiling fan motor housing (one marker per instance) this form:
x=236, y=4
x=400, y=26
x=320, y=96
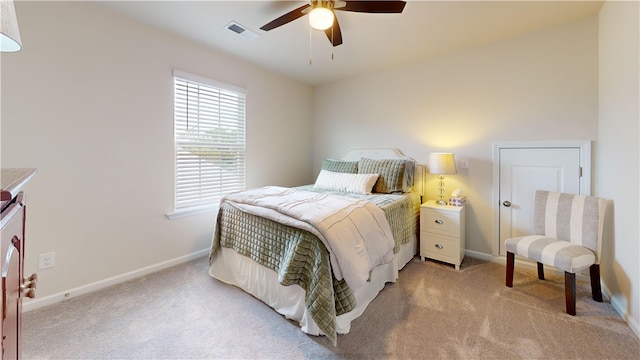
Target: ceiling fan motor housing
x=329, y=22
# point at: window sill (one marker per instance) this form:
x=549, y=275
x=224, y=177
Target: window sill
x=191, y=211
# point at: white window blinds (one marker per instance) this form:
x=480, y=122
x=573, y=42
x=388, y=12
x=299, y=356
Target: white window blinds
x=209, y=140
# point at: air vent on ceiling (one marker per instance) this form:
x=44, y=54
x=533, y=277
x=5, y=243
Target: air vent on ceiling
x=241, y=30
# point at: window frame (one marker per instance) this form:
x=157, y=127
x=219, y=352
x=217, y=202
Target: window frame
x=210, y=201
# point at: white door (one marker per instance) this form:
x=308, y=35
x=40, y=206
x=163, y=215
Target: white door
x=524, y=169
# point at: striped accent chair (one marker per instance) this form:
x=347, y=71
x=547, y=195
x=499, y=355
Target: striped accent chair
x=569, y=237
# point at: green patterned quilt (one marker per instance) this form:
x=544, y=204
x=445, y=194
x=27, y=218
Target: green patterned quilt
x=299, y=257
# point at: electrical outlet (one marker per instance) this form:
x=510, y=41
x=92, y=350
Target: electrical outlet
x=47, y=261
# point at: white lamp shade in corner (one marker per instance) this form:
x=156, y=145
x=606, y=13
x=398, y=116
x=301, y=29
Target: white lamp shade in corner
x=9, y=31
x=442, y=163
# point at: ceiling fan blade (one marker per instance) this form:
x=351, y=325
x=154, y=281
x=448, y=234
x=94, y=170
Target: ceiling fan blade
x=333, y=33
x=286, y=18
x=373, y=6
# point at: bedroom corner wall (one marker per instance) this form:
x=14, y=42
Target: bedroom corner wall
x=618, y=153
x=89, y=102
x=540, y=86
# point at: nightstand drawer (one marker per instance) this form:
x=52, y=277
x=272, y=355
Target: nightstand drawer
x=442, y=232
x=439, y=247
x=442, y=222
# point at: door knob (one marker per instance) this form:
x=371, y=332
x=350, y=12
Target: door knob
x=506, y=203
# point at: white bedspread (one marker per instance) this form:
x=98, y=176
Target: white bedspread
x=356, y=232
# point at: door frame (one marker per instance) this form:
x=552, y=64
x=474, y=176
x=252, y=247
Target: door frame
x=585, y=179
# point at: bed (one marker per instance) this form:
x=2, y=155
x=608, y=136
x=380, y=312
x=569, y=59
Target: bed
x=290, y=262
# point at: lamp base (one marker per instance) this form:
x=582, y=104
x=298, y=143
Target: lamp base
x=441, y=201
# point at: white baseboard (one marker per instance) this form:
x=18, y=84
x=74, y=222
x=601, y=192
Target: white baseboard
x=32, y=304
x=619, y=305
x=529, y=265
x=520, y=263
x=485, y=257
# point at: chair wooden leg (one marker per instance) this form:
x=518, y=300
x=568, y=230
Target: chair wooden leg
x=570, y=292
x=596, y=291
x=510, y=264
x=540, y=271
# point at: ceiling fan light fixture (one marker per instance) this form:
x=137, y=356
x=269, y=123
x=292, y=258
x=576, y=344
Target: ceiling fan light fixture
x=321, y=18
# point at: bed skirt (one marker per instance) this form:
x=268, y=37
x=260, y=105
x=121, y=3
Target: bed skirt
x=262, y=282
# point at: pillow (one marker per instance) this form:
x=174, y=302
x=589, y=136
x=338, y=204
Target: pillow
x=391, y=173
x=354, y=183
x=340, y=166
x=409, y=172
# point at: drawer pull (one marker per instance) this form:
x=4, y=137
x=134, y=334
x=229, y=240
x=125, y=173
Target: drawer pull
x=438, y=246
x=28, y=286
x=439, y=222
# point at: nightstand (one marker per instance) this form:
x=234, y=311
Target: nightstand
x=442, y=233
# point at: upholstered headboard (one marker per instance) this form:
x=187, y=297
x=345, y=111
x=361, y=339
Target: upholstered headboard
x=374, y=153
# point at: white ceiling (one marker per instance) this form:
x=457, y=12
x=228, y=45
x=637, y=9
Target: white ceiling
x=371, y=42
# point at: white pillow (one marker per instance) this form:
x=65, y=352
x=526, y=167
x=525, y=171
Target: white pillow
x=354, y=183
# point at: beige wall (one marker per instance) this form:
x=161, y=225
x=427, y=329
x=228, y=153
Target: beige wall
x=576, y=81
x=540, y=86
x=618, y=153
x=89, y=102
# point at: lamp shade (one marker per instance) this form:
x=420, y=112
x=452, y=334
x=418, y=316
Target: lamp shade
x=321, y=18
x=442, y=163
x=9, y=32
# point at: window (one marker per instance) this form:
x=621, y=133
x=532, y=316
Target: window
x=209, y=135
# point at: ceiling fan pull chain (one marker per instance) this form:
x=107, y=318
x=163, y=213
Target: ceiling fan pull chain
x=310, y=45
x=332, y=27
x=323, y=12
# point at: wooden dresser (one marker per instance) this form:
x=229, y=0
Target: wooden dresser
x=14, y=285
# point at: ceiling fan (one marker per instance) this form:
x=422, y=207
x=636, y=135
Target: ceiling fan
x=322, y=16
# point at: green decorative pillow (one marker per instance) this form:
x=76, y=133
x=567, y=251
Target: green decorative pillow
x=340, y=166
x=391, y=173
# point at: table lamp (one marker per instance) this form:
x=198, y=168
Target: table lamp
x=442, y=164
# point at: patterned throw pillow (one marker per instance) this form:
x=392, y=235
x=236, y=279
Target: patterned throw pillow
x=340, y=166
x=391, y=173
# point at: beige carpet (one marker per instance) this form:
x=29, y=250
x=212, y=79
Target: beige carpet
x=432, y=312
